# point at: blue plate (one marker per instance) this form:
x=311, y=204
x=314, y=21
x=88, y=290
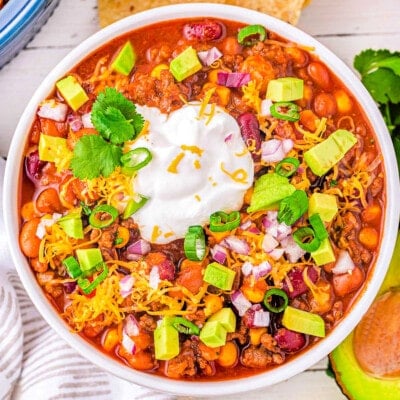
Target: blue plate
x=19, y=22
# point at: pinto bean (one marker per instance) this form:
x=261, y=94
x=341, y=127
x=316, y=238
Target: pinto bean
x=48, y=201
x=39, y=266
x=203, y=31
x=349, y=282
x=320, y=75
x=300, y=58
x=325, y=105
x=28, y=240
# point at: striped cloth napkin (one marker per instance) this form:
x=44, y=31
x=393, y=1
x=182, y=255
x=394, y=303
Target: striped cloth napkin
x=35, y=363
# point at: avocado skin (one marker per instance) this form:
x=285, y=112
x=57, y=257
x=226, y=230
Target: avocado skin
x=353, y=381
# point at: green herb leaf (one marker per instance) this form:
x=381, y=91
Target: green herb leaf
x=93, y=156
x=365, y=61
x=384, y=85
x=115, y=117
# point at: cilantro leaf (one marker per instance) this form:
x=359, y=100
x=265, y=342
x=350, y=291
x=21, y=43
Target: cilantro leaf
x=115, y=117
x=383, y=85
x=93, y=156
x=364, y=61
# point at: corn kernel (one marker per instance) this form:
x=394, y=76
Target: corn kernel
x=156, y=71
x=255, y=335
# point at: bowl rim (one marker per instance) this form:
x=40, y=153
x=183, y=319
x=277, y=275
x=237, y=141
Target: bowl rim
x=206, y=388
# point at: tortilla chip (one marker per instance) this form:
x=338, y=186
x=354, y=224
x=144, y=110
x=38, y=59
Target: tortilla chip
x=113, y=10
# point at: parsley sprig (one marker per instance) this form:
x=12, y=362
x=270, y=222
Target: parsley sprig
x=117, y=121
x=380, y=74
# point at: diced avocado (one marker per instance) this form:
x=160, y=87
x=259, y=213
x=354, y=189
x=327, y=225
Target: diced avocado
x=185, y=64
x=303, y=322
x=213, y=334
x=72, y=91
x=269, y=190
x=72, y=225
x=226, y=317
x=166, y=342
x=324, y=254
x=352, y=379
x=285, y=89
x=53, y=148
x=323, y=156
x=323, y=204
x=125, y=60
x=219, y=276
x=89, y=258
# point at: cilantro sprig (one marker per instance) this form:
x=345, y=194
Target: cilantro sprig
x=117, y=121
x=380, y=74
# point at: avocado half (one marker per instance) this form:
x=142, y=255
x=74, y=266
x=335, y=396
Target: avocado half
x=354, y=382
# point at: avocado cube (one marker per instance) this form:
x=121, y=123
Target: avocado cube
x=213, y=334
x=323, y=204
x=303, y=322
x=52, y=148
x=72, y=91
x=125, y=60
x=72, y=225
x=324, y=254
x=323, y=156
x=285, y=89
x=226, y=317
x=185, y=64
x=219, y=276
x=166, y=342
x=89, y=258
x=269, y=190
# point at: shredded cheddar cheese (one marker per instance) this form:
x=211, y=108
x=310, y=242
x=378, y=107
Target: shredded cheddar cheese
x=173, y=167
x=239, y=175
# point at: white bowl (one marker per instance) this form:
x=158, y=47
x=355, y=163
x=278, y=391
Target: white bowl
x=298, y=363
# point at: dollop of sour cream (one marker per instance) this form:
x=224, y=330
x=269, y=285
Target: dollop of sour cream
x=200, y=164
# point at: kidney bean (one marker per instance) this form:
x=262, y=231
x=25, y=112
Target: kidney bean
x=33, y=166
x=203, y=31
x=320, y=75
x=28, y=240
x=324, y=105
x=297, y=282
x=48, y=201
x=167, y=270
x=289, y=341
x=250, y=130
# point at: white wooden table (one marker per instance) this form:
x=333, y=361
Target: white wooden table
x=345, y=26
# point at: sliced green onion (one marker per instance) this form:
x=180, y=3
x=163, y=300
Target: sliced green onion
x=85, y=208
x=102, y=216
x=293, y=207
x=195, y=243
x=185, y=326
x=278, y=296
x=291, y=114
x=222, y=222
x=319, y=228
x=87, y=286
x=287, y=167
x=134, y=205
x=251, y=34
x=136, y=158
x=306, y=239
x=72, y=266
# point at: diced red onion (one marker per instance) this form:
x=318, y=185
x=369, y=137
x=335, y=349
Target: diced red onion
x=140, y=247
x=240, y=302
x=247, y=268
x=262, y=270
x=292, y=250
x=128, y=344
x=54, y=110
x=133, y=257
x=277, y=253
x=269, y=243
x=270, y=223
x=87, y=120
x=131, y=326
x=75, y=122
x=233, y=79
x=265, y=107
x=246, y=225
x=219, y=253
x=154, y=277
x=237, y=245
x=283, y=231
x=228, y=137
x=126, y=285
x=272, y=151
x=208, y=57
x=344, y=263
x=287, y=145
x=45, y=222
x=261, y=318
